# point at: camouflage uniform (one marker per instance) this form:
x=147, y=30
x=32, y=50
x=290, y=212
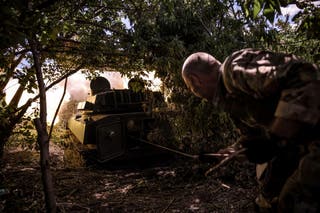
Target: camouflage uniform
x=257, y=86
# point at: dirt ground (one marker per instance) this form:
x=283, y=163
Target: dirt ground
x=178, y=185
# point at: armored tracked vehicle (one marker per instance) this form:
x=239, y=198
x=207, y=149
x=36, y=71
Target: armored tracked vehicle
x=110, y=119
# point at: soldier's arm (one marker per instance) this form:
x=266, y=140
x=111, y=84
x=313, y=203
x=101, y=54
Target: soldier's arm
x=285, y=128
x=297, y=111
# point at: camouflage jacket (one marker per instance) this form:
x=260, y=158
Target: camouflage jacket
x=258, y=85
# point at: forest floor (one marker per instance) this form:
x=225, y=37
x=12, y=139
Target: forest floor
x=176, y=185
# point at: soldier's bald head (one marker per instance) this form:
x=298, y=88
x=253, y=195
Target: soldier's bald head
x=199, y=63
x=200, y=72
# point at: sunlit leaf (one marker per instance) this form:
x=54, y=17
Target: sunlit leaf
x=256, y=8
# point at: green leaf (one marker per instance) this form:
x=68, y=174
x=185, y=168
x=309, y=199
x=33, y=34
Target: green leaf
x=246, y=8
x=269, y=14
x=256, y=8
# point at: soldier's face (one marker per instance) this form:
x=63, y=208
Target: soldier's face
x=200, y=86
x=196, y=90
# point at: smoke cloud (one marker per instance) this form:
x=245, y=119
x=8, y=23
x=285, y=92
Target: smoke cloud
x=78, y=89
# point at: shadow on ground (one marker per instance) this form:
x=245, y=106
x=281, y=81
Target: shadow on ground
x=159, y=184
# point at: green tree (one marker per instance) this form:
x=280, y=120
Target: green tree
x=307, y=19
x=67, y=36
x=58, y=38
x=298, y=34
x=72, y=36
x=171, y=30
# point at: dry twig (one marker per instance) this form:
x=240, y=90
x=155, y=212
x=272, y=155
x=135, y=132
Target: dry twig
x=71, y=205
x=168, y=206
x=225, y=160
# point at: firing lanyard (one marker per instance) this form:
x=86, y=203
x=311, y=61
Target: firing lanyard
x=214, y=155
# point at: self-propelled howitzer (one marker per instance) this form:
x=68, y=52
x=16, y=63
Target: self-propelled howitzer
x=110, y=118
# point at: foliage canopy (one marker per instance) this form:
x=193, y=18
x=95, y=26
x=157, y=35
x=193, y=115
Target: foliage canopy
x=143, y=35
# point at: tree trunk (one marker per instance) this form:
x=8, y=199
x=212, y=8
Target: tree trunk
x=45, y=166
x=43, y=139
x=4, y=136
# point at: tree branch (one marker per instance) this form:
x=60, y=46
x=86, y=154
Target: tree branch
x=204, y=26
x=16, y=98
x=22, y=110
x=102, y=26
x=58, y=108
x=225, y=160
x=10, y=71
x=58, y=81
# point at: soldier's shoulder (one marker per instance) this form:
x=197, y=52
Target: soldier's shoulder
x=243, y=53
x=254, y=51
x=248, y=50
x=239, y=54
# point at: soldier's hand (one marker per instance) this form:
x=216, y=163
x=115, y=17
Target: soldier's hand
x=259, y=149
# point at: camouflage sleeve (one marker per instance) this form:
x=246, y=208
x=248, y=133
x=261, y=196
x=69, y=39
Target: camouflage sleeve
x=300, y=101
x=263, y=74
x=256, y=73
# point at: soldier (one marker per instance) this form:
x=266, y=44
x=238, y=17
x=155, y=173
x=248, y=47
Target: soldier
x=275, y=98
